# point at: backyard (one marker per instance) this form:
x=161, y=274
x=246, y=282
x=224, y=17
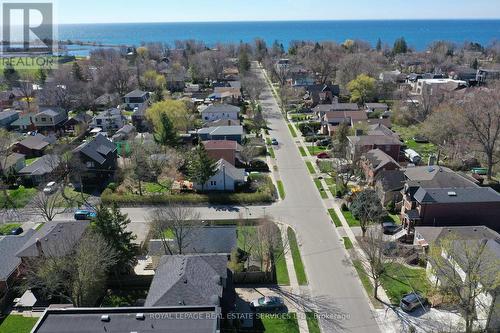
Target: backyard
x=407, y=134
x=280, y=324
x=399, y=280
x=17, y=324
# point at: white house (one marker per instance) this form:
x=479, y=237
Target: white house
x=226, y=178
x=111, y=119
x=220, y=111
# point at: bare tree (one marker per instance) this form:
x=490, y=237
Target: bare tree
x=467, y=271
x=321, y=59
x=174, y=225
x=47, y=205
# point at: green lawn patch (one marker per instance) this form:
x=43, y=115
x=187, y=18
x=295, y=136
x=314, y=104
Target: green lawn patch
x=302, y=151
x=321, y=190
x=334, y=217
x=408, y=133
x=17, y=324
x=29, y=161
x=365, y=281
x=393, y=217
x=312, y=322
x=347, y=243
x=5, y=229
x=270, y=151
x=269, y=141
x=282, y=277
x=310, y=167
x=315, y=150
x=351, y=220
x=17, y=198
x=292, y=131
x=332, y=186
x=297, y=260
x=399, y=280
x=286, y=323
x=281, y=189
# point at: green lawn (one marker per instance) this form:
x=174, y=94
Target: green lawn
x=5, y=229
x=393, y=217
x=17, y=198
x=292, y=130
x=297, y=260
x=320, y=189
x=282, y=277
x=312, y=322
x=347, y=243
x=310, y=167
x=408, y=133
x=335, y=218
x=399, y=280
x=302, y=151
x=351, y=220
x=169, y=234
x=30, y=161
x=315, y=150
x=280, y=324
x=269, y=141
x=17, y=324
x=155, y=188
x=281, y=189
x=365, y=281
x=332, y=186
x=270, y=150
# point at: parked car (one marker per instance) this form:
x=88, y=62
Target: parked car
x=412, y=301
x=323, y=155
x=50, y=188
x=324, y=142
x=84, y=214
x=267, y=303
x=274, y=142
x=17, y=231
x=420, y=139
x=391, y=228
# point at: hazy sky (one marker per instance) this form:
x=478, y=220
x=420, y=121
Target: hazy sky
x=110, y=11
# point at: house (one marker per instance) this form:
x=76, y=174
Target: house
x=81, y=119
x=376, y=161
x=49, y=120
x=332, y=119
x=227, y=94
x=484, y=76
x=40, y=171
x=392, y=76
x=233, y=133
x=125, y=133
x=379, y=138
x=389, y=185
x=109, y=120
x=220, y=112
x=457, y=263
x=192, y=319
x=321, y=94
x=203, y=240
x=222, y=149
x=7, y=118
x=433, y=86
x=107, y=101
x=223, y=122
x=99, y=156
x=12, y=164
x=376, y=107
x=9, y=261
x=189, y=280
x=55, y=239
x=176, y=77
x=140, y=121
x=321, y=109
x=33, y=145
x=23, y=124
x=226, y=178
x=136, y=99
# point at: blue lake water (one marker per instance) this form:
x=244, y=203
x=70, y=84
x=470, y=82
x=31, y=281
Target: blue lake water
x=418, y=33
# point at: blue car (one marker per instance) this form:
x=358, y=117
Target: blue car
x=85, y=215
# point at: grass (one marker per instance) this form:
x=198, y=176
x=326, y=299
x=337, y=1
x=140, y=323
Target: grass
x=17, y=324
x=292, y=131
x=400, y=279
x=315, y=150
x=17, y=198
x=268, y=141
x=351, y=220
x=5, y=229
x=155, y=188
x=408, y=133
x=332, y=186
x=334, y=217
x=310, y=167
x=282, y=277
x=347, y=243
x=271, y=152
x=393, y=217
x=29, y=161
x=321, y=189
x=312, y=322
x=365, y=281
x=297, y=260
x=302, y=151
x=281, y=189
x=280, y=324
x=169, y=234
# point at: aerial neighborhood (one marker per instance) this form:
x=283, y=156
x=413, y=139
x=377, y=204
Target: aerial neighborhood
x=190, y=188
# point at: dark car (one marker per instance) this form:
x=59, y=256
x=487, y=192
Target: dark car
x=391, y=228
x=412, y=301
x=83, y=214
x=323, y=155
x=267, y=303
x=17, y=231
x=324, y=142
x=274, y=142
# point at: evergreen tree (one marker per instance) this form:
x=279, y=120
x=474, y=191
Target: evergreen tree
x=112, y=224
x=200, y=167
x=11, y=75
x=77, y=72
x=400, y=46
x=475, y=64
x=379, y=45
x=165, y=133
x=243, y=60
x=41, y=76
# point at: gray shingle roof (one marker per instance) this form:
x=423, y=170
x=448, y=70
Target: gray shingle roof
x=378, y=159
x=7, y=114
x=136, y=93
x=391, y=180
x=457, y=195
x=436, y=177
x=222, y=130
x=221, y=108
x=206, y=240
x=97, y=149
x=368, y=140
x=56, y=239
x=36, y=142
x=336, y=107
x=188, y=280
x=9, y=246
x=44, y=165
x=433, y=234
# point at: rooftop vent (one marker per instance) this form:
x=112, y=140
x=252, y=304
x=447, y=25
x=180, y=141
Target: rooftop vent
x=452, y=194
x=105, y=318
x=140, y=316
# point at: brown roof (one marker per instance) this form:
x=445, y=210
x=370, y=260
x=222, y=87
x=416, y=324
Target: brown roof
x=353, y=115
x=221, y=144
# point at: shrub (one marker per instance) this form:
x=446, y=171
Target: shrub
x=344, y=207
x=338, y=194
x=309, y=128
x=391, y=206
x=112, y=186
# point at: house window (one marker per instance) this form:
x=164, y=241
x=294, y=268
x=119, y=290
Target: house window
x=90, y=164
x=213, y=183
x=44, y=119
x=99, y=121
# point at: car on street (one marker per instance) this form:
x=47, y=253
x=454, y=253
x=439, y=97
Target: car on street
x=50, y=188
x=323, y=155
x=17, y=231
x=412, y=301
x=391, y=228
x=274, y=142
x=84, y=214
x=267, y=303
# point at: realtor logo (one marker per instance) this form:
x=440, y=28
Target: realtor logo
x=28, y=28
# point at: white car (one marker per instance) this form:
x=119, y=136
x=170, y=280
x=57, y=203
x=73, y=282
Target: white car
x=50, y=188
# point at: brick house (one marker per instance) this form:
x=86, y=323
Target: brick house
x=376, y=161
x=225, y=149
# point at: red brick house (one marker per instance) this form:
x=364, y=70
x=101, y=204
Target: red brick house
x=225, y=149
x=375, y=161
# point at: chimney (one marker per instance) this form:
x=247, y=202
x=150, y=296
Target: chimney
x=39, y=247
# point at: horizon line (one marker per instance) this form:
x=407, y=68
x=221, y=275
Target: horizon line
x=287, y=20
